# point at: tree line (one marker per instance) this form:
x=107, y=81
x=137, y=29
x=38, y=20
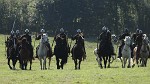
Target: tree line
x=88, y=15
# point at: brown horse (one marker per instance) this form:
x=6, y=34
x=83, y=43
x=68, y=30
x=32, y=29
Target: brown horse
x=24, y=54
x=144, y=52
x=11, y=52
x=142, y=55
x=78, y=52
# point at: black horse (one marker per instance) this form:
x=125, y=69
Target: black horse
x=25, y=54
x=78, y=52
x=61, y=52
x=105, y=50
x=11, y=52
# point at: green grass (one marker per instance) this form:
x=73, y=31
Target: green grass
x=90, y=73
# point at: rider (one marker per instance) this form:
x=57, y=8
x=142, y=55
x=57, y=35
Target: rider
x=135, y=35
x=109, y=42
x=102, y=38
x=139, y=39
x=12, y=34
x=18, y=34
x=75, y=37
x=42, y=31
x=121, y=38
x=63, y=36
x=29, y=41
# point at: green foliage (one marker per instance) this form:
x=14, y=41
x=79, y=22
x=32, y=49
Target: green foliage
x=88, y=15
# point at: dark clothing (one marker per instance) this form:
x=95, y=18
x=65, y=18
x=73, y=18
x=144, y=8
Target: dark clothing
x=29, y=40
x=64, y=37
x=28, y=37
x=61, y=40
x=122, y=37
x=139, y=43
x=105, y=41
x=134, y=36
x=75, y=37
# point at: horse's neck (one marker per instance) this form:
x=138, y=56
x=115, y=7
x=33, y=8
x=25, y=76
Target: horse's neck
x=144, y=47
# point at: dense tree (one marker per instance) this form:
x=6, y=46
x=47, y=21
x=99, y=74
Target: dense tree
x=88, y=15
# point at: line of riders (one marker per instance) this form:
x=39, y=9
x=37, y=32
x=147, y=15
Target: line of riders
x=104, y=37
x=15, y=36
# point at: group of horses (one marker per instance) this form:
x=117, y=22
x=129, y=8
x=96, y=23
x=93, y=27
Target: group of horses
x=18, y=49
x=140, y=59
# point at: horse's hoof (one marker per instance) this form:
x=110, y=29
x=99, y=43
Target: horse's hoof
x=108, y=66
x=10, y=68
x=133, y=65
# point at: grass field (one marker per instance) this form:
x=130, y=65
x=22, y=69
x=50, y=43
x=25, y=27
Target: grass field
x=90, y=73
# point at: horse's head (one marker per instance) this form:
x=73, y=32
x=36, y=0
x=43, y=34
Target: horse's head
x=127, y=40
x=145, y=41
x=80, y=40
x=44, y=38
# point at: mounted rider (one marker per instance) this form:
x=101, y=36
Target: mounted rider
x=64, y=37
x=102, y=38
x=29, y=41
x=121, y=38
x=75, y=37
x=18, y=34
x=133, y=37
x=42, y=31
x=139, y=39
x=105, y=37
x=10, y=42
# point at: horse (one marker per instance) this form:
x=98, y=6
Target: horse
x=42, y=51
x=97, y=57
x=61, y=52
x=126, y=52
x=24, y=54
x=11, y=52
x=78, y=52
x=144, y=52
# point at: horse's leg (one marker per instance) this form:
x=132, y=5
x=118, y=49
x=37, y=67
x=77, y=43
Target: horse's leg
x=13, y=62
x=62, y=63
x=58, y=66
x=129, y=62
x=79, y=63
x=25, y=62
x=9, y=63
x=30, y=63
x=49, y=62
x=100, y=59
x=105, y=61
x=109, y=58
x=146, y=62
x=40, y=62
x=45, y=63
x=75, y=62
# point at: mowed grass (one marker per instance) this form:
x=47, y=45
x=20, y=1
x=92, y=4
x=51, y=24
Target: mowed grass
x=90, y=73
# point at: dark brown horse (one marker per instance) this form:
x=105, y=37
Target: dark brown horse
x=11, y=52
x=78, y=52
x=61, y=52
x=25, y=55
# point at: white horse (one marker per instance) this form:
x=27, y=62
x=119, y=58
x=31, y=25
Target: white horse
x=97, y=57
x=126, y=52
x=42, y=51
x=144, y=51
